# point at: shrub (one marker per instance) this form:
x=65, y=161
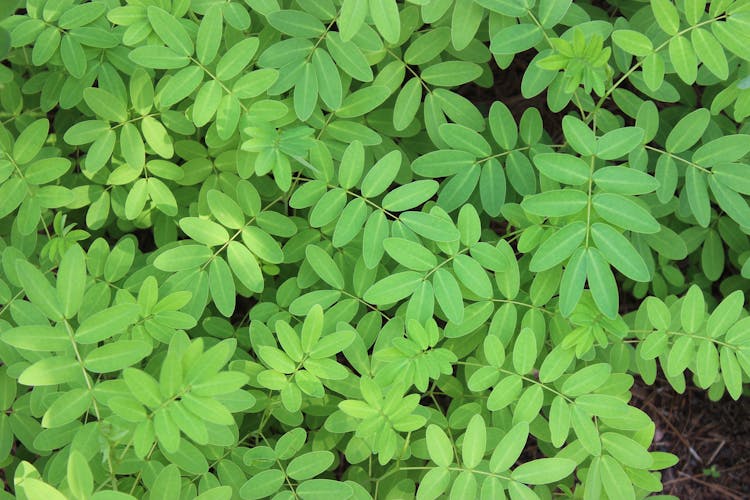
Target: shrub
x=270, y=248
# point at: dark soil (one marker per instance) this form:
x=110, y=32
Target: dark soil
x=507, y=88
x=711, y=439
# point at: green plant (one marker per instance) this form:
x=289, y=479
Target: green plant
x=267, y=249
x=712, y=472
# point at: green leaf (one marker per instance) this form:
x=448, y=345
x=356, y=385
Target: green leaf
x=506, y=7
x=439, y=446
x=658, y=313
x=328, y=208
x=492, y=187
x=666, y=16
x=503, y=126
x=602, y=283
x=619, y=142
x=474, y=442
x=322, y=489
x=105, y=105
x=204, y=231
x=221, y=286
x=688, y=130
x=472, y=275
x=393, y=288
x=106, y=323
x=168, y=480
x=573, y=279
x=67, y=408
x=623, y=180
x=725, y=315
x=683, y=59
x=79, y=475
x=450, y=73
x=509, y=448
x=158, y=57
x=448, y=295
x=407, y=104
x=580, y=137
x=381, y=175
x=36, y=488
x=464, y=139
x=563, y=168
x=157, y=137
x=30, y=141
x=170, y=30
x=627, y=451
x=433, y=484
x=183, y=257
x=71, y=281
x=245, y=266
x=324, y=266
x=306, y=93
x=309, y=465
x=51, y=371
x=558, y=247
x=515, y=38
x=385, y=14
x=585, y=430
x=443, y=163
x=410, y=195
x=620, y=253
x=524, y=351
x=225, y=209
x=552, y=12
x=710, y=52
x=723, y=149
x=352, y=165
x=623, y=211
x=730, y=372
x=73, y=56
x=38, y=289
x=208, y=39
x=410, y=254
x=131, y=145
x=296, y=23
x=693, y=310
x=615, y=481
x=559, y=421
x=37, y=338
x=116, y=356
x=586, y=380
x=633, y=42
x=85, y=132
x=543, y=470
x=729, y=200
x=180, y=85
x=45, y=46
x=505, y=392
x=555, y=203
x=430, y=226
x=375, y=231
x=207, y=101
x=351, y=17
x=348, y=57
x=350, y=222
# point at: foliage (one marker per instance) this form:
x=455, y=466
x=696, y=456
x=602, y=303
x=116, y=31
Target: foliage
x=267, y=248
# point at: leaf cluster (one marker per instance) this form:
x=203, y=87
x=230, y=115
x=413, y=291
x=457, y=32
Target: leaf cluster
x=268, y=248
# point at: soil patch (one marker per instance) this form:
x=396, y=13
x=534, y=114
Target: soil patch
x=711, y=439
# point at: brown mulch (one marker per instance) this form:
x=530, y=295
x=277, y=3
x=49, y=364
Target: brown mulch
x=711, y=439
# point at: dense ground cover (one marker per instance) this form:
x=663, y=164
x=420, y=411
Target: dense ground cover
x=371, y=249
